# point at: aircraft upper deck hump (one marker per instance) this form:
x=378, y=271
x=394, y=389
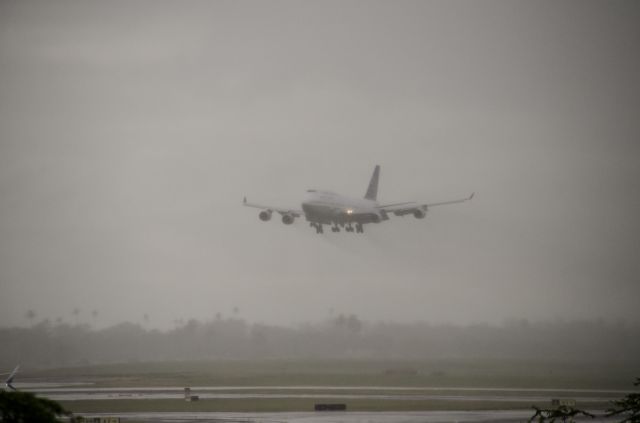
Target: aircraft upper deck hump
x=372, y=191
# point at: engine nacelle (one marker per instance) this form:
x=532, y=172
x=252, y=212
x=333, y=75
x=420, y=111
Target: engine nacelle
x=419, y=214
x=265, y=215
x=287, y=219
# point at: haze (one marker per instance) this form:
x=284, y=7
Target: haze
x=130, y=132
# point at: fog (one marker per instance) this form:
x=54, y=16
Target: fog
x=342, y=337
x=131, y=131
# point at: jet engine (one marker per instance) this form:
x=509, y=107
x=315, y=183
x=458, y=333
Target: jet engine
x=265, y=215
x=287, y=219
x=419, y=214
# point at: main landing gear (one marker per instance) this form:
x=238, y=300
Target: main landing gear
x=358, y=228
x=318, y=226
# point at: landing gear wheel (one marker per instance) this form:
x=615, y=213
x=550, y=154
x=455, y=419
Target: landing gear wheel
x=318, y=227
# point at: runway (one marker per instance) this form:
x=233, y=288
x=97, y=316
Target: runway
x=84, y=393
x=341, y=417
x=459, y=398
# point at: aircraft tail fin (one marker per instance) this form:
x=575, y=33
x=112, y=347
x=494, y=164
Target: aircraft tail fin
x=372, y=191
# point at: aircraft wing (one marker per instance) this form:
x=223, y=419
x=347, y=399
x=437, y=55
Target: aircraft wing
x=282, y=211
x=9, y=381
x=400, y=209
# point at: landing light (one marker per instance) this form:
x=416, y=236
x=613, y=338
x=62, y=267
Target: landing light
x=349, y=211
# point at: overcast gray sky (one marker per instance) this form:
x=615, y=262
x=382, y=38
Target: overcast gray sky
x=130, y=131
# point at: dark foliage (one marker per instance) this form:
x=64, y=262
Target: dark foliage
x=25, y=407
x=629, y=407
x=562, y=413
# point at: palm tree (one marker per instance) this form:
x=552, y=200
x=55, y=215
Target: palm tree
x=76, y=312
x=94, y=315
x=30, y=314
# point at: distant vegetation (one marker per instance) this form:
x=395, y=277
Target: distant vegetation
x=46, y=344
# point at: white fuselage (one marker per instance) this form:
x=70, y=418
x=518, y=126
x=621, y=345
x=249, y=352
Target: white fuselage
x=327, y=207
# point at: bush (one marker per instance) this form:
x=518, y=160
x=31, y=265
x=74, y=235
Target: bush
x=25, y=407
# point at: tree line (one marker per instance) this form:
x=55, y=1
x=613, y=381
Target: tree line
x=47, y=344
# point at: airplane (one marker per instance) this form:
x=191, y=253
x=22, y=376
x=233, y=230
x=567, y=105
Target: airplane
x=328, y=208
x=8, y=382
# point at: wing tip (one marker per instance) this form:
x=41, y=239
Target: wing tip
x=9, y=380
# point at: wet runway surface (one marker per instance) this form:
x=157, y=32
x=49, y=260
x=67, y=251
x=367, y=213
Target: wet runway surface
x=340, y=417
x=599, y=399
x=85, y=393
